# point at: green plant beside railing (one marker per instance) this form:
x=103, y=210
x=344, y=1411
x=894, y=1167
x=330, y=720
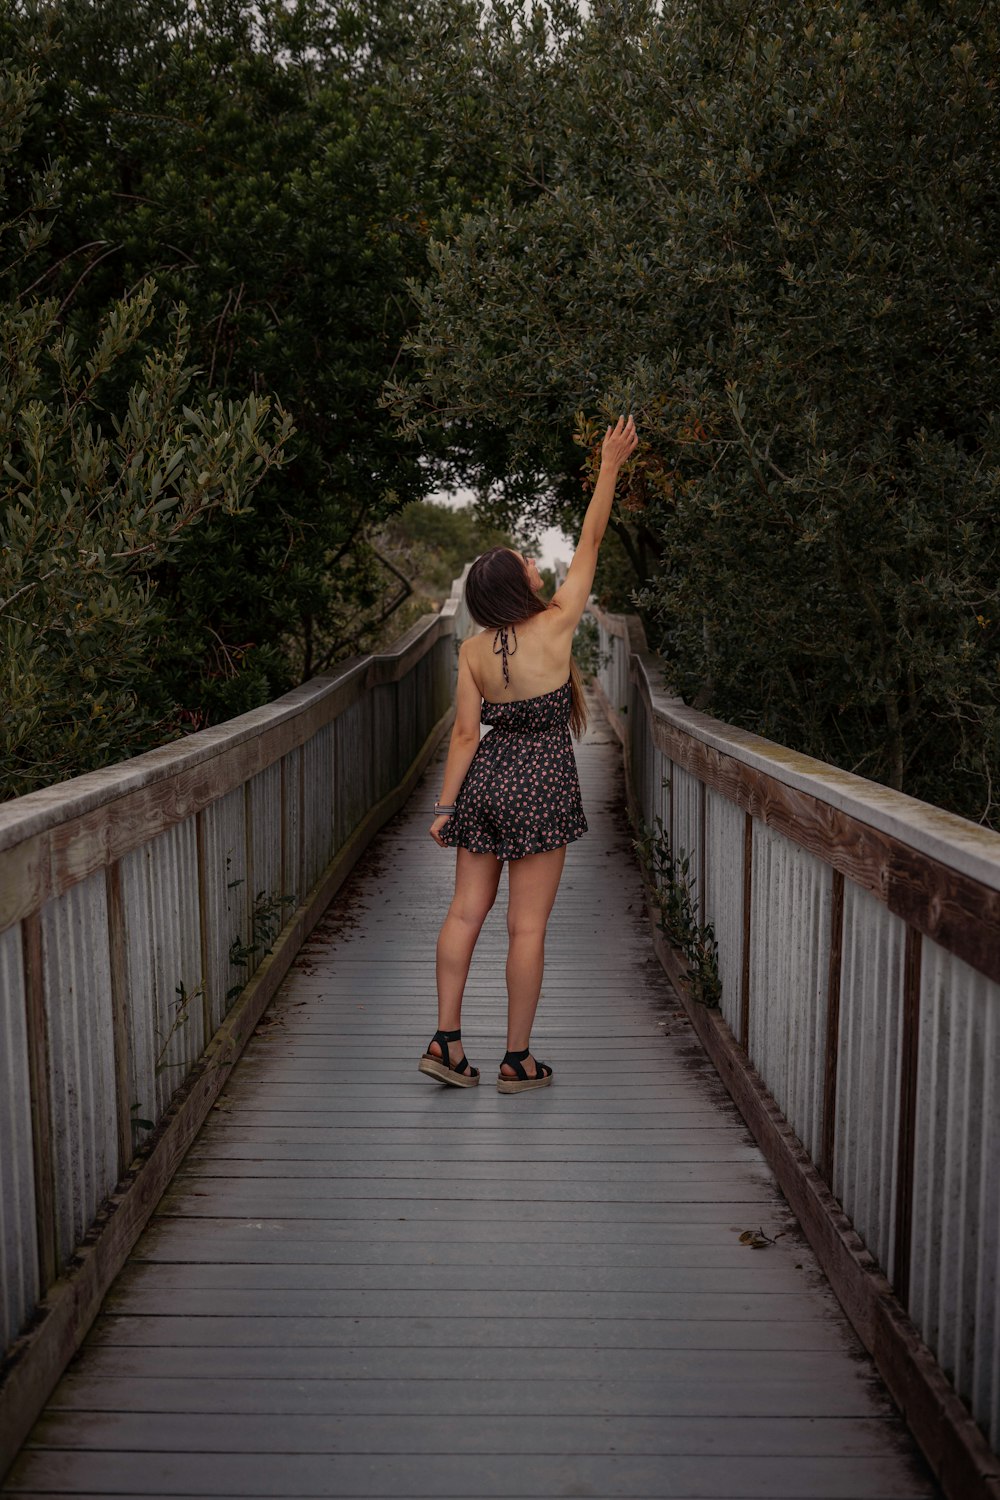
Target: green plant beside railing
x=266, y=921
x=672, y=885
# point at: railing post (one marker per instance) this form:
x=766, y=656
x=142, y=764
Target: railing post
x=909, y=1053
x=702, y=847
x=747, y=923
x=670, y=829
x=251, y=937
x=203, y=934
x=41, y=1112
x=829, y=1126
x=119, y=1012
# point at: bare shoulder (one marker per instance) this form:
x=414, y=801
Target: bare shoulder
x=471, y=652
x=472, y=646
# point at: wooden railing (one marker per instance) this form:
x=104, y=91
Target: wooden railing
x=858, y=935
x=147, y=914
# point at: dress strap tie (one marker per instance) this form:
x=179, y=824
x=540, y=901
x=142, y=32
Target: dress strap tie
x=501, y=635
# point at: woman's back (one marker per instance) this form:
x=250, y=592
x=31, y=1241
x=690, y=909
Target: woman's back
x=538, y=658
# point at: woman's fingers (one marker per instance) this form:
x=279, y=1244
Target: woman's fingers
x=621, y=439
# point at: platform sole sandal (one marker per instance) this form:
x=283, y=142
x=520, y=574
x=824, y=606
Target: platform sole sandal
x=461, y=1074
x=523, y=1080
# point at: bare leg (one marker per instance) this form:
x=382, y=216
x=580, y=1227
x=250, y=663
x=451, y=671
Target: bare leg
x=534, y=881
x=476, y=879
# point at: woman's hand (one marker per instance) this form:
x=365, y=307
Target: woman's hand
x=619, y=443
x=435, y=829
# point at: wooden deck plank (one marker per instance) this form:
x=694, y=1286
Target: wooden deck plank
x=552, y=1367
x=363, y=1284
x=639, y=1116
x=550, y=1198
x=480, y=1331
x=803, y=1391
x=524, y=1431
x=489, y=1473
x=387, y=1172
x=491, y=1259
x=546, y=1309
x=144, y=1280
x=596, y=1215
x=701, y=1369
x=700, y=1226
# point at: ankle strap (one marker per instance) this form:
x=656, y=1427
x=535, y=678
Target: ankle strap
x=448, y=1036
x=515, y=1060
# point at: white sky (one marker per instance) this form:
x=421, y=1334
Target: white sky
x=553, y=543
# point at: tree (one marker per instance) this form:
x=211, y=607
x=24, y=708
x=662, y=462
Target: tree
x=771, y=233
x=428, y=545
x=253, y=159
x=93, y=498
x=434, y=542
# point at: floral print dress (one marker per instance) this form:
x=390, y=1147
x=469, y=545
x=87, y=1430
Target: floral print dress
x=521, y=794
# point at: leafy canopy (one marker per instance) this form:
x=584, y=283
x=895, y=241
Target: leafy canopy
x=93, y=499
x=770, y=232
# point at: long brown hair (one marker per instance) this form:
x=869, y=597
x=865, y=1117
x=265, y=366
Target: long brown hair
x=498, y=592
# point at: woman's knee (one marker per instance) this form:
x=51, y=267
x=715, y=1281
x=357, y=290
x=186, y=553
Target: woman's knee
x=526, y=926
x=472, y=914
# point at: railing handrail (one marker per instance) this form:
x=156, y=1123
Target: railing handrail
x=946, y=836
x=938, y=870
x=39, y=811
x=38, y=832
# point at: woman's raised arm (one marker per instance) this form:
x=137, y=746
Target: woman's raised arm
x=571, y=599
x=619, y=444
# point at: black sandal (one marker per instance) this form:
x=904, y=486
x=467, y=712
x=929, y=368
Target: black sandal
x=462, y=1073
x=543, y=1074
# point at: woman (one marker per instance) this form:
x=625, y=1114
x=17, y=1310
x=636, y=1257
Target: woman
x=515, y=795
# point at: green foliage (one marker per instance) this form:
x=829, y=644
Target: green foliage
x=257, y=162
x=433, y=542
x=266, y=921
x=673, y=887
x=94, y=495
x=587, y=647
x=427, y=545
x=770, y=232
x=181, y=1016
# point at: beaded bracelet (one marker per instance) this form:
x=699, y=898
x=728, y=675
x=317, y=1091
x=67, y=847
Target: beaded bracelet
x=439, y=809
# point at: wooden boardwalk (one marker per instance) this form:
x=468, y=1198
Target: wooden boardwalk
x=366, y=1284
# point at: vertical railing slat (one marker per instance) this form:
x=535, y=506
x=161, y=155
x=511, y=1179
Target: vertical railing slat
x=832, y=1044
x=21, y=1225
x=909, y=1048
x=41, y=1107
x=119, y=1007
x=747, y=932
